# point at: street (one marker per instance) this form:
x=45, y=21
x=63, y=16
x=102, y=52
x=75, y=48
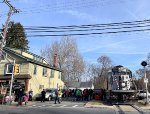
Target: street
x=51, y=108
x=70, y=107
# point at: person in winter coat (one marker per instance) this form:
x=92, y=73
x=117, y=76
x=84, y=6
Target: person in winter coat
x=20, y=95
x=43, y=93
x=25, y=98
x=30, y=95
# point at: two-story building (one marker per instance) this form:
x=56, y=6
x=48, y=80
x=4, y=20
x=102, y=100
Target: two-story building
x=34, y=72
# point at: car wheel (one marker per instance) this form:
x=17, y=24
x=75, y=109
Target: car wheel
x=49, y=98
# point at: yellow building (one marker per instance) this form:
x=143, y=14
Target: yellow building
x=34, y=72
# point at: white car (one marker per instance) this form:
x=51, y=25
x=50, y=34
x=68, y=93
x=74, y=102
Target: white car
x=142, y=94
x=50, y=94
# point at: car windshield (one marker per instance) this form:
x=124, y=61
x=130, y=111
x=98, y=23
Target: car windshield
x=142, y=91
x=50, y=90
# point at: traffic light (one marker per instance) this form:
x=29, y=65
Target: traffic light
x=16, y=69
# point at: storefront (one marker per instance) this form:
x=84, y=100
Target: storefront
x=19, y=81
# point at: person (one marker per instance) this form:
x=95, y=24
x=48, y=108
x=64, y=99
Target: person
x=59, y=96
x=20, y=95
x=25, y=98
x=43, y=93
x=30, y=95
x=56, y=97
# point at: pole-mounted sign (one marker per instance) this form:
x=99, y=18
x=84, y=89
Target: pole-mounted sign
x=144, y=64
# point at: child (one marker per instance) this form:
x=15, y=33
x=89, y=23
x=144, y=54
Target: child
x=25, y=98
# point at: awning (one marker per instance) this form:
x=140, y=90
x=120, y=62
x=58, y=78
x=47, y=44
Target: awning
x=19, y=76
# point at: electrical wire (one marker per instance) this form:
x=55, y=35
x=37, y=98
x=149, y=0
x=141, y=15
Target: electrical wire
x=89, y=26
x=74, y=30
x=83, y=34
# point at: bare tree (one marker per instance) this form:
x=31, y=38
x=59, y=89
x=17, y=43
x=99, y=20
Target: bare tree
x=140, y=75
x=98, y=73
x=69, y=58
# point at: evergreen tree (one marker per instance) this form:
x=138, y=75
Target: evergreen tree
x=16, y=37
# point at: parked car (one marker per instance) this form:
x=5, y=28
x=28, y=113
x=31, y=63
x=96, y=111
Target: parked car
x=50, y=94
x=142, y=94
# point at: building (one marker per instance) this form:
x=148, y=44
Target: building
x=81, y=85
x=86, y=85
x=34, y=71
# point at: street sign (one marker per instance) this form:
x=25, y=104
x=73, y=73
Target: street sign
x=145, y=80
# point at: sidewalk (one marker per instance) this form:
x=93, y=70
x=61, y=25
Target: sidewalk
x=16, y=103
x=97, y=104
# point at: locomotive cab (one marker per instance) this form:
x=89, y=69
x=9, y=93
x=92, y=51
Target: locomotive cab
x=120, y=82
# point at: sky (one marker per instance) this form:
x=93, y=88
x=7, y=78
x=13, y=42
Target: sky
x=127, y=49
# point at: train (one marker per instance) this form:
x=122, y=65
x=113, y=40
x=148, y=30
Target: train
x=120, y=84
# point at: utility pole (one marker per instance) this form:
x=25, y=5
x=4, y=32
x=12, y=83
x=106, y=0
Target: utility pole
x=3, y=41
x=144, y=64
x=11, y=10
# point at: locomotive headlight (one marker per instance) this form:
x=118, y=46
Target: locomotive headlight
x=123, y=84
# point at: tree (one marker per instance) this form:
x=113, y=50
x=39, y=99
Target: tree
x=16, y=37
x=99, y=71
x=69, y=58
x=140, y=75
x=105, y=64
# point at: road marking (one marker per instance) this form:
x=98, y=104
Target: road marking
x=33, y=105
x=75, y=106
x=63, y=106
x=51, y=105
x=43, y=105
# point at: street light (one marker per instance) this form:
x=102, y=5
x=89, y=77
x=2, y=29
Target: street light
x=144, y=64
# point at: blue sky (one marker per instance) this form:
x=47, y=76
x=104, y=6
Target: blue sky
x=127, y=49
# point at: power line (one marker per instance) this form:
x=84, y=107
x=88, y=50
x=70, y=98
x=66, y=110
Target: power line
x=96, y=25
x=107, y=28
x=58, y=5
x=94, y=33
x=89, y=26
x=33, y=30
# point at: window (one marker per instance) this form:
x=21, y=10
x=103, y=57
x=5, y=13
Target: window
x=44, y=71
x=52, y=73
x=59, y=75
x=9, y=69
x=41, y=86
x=35, y=69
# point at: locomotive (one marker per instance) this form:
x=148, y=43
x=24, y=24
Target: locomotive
x=120, y=85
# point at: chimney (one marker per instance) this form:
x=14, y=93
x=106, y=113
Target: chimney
x=55, y=61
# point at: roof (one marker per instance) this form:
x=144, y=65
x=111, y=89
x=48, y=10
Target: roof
x=29, y=59
x=76, y=84
x=85, y=84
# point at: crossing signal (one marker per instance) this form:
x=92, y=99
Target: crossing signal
x=16, y=69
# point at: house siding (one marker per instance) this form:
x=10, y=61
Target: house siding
x=37, y=81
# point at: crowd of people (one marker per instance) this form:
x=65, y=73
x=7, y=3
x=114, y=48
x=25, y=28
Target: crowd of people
x=78, y=94
x=66, y=94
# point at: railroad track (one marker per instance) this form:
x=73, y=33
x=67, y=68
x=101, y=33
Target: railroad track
x=127, y=109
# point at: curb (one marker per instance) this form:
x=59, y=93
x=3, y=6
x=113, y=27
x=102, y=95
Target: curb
x=88, y=105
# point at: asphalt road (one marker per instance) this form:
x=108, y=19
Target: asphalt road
x=56, y=111
x=51, y=108
x=66, y=107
